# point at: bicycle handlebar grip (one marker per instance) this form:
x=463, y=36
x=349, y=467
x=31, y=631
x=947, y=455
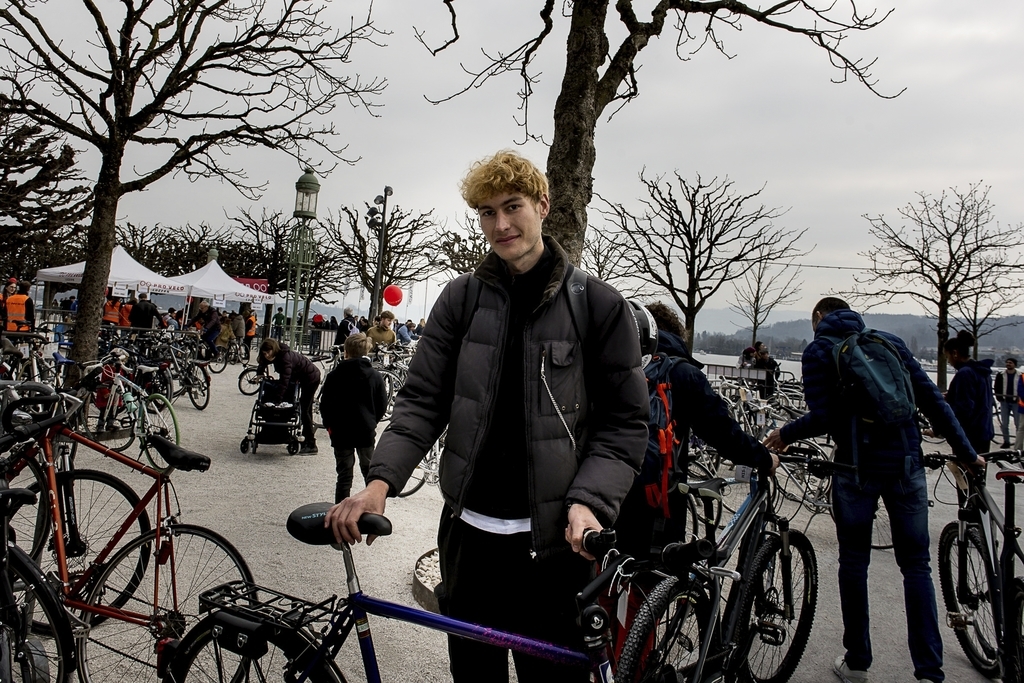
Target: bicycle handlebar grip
x=934, y=461
x=598, y=543
x=801, y=451
x=7, y=420
x=679, y=557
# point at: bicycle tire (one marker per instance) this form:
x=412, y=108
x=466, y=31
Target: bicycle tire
x=392, y=383
x=664, y=637
x=200, y=659
x=776, y=643
x=102, y=503
x=201, y=559
x=199, y=388
x=978, y=638
x=49, y=653
x=219, y=363
x=99, y=421
x=31, y=523
x=161, y=420
x=415, y=483
x=249, y=382
x=244, y=353
x=1013, y=657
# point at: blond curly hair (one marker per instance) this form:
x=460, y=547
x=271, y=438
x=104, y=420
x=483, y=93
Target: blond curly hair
x=505, y=172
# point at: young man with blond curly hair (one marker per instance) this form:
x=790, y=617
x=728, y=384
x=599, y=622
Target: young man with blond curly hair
x=546, y=430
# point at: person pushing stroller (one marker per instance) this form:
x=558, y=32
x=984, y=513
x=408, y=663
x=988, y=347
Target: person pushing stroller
x=293, y=367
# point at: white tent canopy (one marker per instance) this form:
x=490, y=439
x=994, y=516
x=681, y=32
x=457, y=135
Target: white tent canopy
x=212, y=281
x=124, y=270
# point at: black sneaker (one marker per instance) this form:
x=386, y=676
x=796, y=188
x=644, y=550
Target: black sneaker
x=308, y=449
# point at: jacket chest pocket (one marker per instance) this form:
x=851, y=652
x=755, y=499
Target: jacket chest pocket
x=561, y=378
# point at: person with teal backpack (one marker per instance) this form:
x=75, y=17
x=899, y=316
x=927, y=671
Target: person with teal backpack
x=862, y=388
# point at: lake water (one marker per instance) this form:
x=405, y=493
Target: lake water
x=792, y=366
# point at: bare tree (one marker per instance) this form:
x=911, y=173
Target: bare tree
x=689, y=247
x=952, y=251
x=408, y=242
x=602, y=67
x=461, y=251
x=174, y=86
x=43, y=197
x=982, y=308
x=764, y=288
x=604, y=257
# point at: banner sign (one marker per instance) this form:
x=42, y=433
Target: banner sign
x=218, y=302
x=259, y=284
x=120, y=291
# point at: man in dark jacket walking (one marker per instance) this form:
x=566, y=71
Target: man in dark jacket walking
x=889, y=468
x=290, y=367
x=143, y=313
x=547, y=427
x=352, y=402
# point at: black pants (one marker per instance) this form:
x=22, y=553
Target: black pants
x=345, y=458
x=307, y=392
x=492, y=579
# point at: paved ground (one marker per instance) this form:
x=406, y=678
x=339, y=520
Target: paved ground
x=248, y=497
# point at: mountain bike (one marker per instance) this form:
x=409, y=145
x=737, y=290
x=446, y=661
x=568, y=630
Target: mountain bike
x=681, y=632
x=984, y=599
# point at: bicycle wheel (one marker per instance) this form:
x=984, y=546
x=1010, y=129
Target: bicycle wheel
x=243, y=353
x=415, y=482
x=199, y=388
x=190, y=560
x=969, y=602
x=201, y=659
x=664, y=638
x=109, y=421
x=31, y=523
x=249, y=382
x=776, y=640
x=46, y=644
x=1013, y=657
x=102, y=503
x=161, y=420
x=219, y=362
x=392, y=383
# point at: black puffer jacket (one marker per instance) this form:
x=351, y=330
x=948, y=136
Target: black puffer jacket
x=291, y=367
x=600, y=391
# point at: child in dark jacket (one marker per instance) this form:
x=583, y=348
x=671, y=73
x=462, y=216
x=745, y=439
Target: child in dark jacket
x=352, y=402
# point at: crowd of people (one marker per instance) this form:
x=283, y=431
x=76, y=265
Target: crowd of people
x=537, y=371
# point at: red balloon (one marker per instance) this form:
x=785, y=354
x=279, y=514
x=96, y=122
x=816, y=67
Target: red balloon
x=392, y=295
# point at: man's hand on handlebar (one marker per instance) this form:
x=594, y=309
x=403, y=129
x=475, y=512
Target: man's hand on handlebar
x=343, y=517
x=581, y=519
x=774, y=442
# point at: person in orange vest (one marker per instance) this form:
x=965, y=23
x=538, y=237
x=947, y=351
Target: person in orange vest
x=112, y=311
x=126, y=309
x=250, y=329
x=21, y=310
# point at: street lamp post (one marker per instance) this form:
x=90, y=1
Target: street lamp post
x=378, y=219
x=301, y=254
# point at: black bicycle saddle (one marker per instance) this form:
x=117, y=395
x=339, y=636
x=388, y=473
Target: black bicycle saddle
x=306, y=524
x=177, y=457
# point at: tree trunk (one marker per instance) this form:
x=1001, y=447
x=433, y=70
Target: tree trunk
x=942, y=330
x=100, y=242
x=572, y=155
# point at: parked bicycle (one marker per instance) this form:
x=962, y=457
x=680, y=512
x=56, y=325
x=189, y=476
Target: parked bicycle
x=984, y=598
x=681, y=633
x=254, y=633
x=130, y=594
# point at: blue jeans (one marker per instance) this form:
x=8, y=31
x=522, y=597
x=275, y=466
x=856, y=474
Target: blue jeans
x=906, y=500
x=1006, y=409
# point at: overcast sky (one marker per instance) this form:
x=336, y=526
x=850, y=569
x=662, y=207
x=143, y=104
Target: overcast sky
x=770, y=115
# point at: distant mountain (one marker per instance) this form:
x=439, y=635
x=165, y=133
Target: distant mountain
x=917, y=331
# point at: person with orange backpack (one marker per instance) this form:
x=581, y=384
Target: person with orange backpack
x=681, y=399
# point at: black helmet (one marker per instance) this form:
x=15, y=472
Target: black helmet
x=647, y=328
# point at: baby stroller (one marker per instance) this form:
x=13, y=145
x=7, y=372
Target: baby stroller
x=274, y=422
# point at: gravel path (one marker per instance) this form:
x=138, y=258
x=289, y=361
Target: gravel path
x=247, y=498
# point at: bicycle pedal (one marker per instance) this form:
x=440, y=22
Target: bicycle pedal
x=958, y=621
